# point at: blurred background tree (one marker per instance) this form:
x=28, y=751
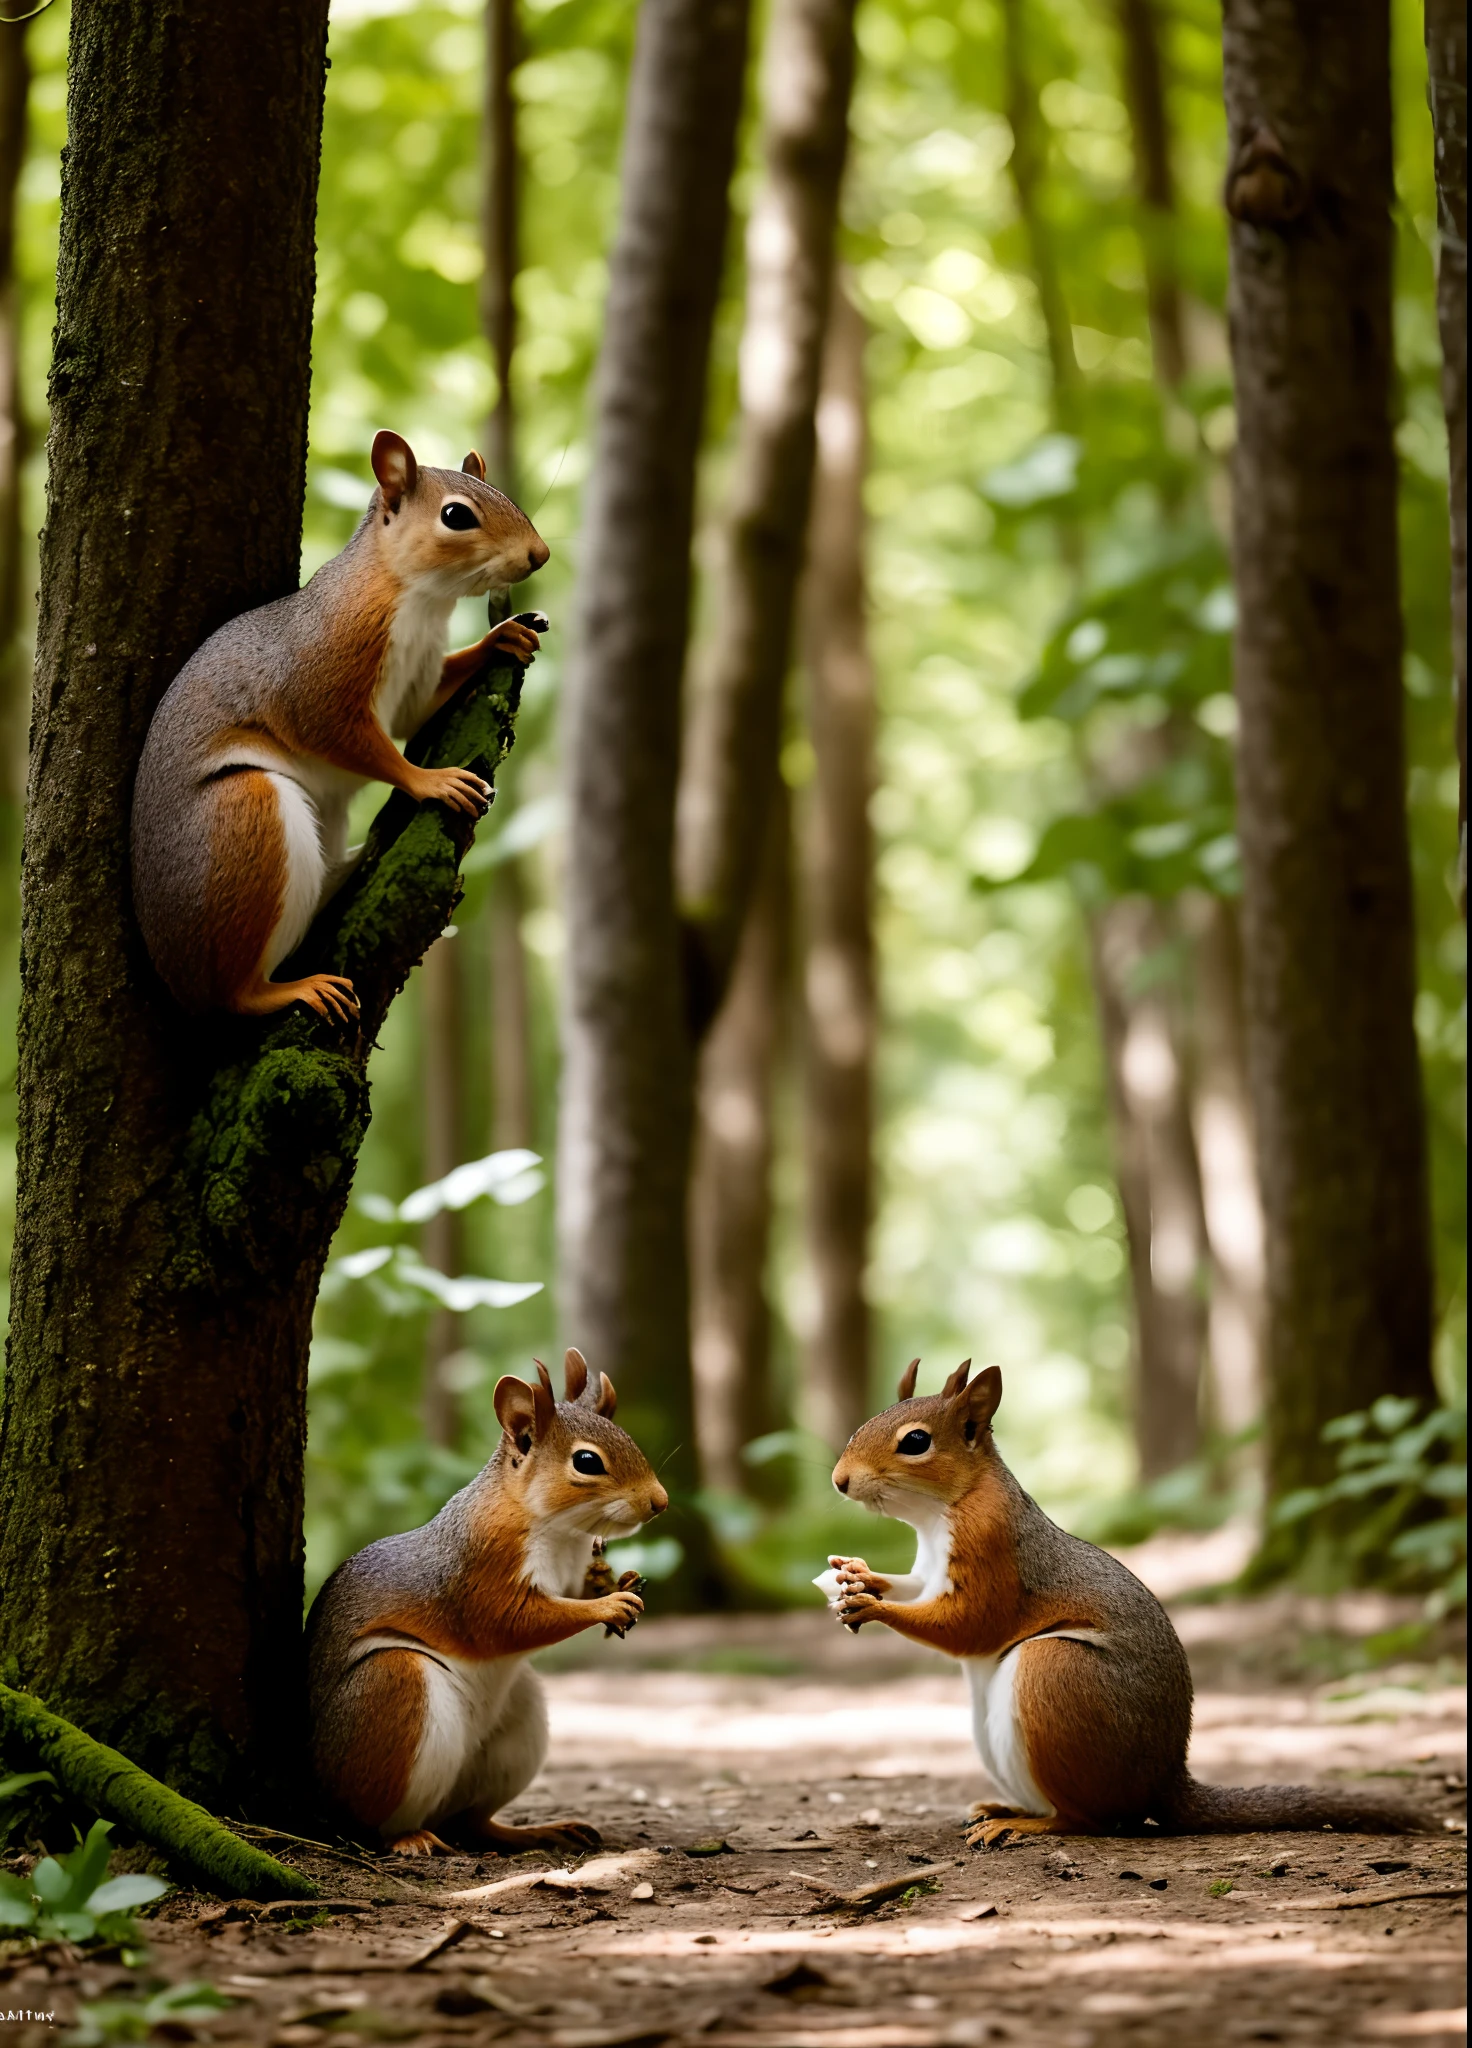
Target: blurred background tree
x=1040, y=1149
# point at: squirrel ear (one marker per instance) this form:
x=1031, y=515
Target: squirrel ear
x=544, y=1376
x=516, y=1407
x=607, y=1399
x=957, y=1379
x=473, y=466
x=394, y=466
x=906, y=1388
x=574, y=1374
x=981, y=1399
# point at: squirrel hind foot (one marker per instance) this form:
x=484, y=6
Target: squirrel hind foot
x=420, y=1842
x=331, y=995
x=1000, y=1829
x=578, y=1836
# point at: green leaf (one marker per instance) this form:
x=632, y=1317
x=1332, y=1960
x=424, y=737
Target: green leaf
x=17, y=1907
x=10, y=1786
x=122, y=1894
x=50, y=1882
x=86, y=1866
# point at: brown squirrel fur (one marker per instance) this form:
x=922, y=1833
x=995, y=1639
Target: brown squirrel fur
x=258, y=745
x=425, y=1718
x=1080, y=1686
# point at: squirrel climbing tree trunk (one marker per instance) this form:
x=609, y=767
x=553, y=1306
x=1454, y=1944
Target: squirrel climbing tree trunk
x=179, y=1181
x=624, y=1141
x=1328, y=938
x=14, y=681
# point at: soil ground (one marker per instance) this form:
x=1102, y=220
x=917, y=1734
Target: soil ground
x=746, y=1770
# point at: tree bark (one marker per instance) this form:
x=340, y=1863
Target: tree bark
x=1155, y=184
x=15, y=695
x=1159, y=1179
x=807, y=78
x=443, y=1025
x=731, y=1180
x=1027, y=167
x=1328, y=937
x=1226, y=1149
x=838, y=897
x=627, y=1068
x=1446, y=63
x=512, y=1102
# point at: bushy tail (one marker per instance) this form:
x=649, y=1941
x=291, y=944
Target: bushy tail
x=1196, y=1809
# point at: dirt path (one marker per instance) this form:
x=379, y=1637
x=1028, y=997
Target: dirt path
x=745, y=1771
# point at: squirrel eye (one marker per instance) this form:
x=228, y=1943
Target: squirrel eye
x=913, y=1442
x=458, y=517
x=588, y=1461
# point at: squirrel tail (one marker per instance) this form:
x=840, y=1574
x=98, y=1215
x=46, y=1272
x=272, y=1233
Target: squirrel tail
x=1196, y=1809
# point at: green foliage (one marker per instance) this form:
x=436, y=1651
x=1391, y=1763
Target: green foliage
x=71, y=1897
x=1396, y=1509
x=166, y=2012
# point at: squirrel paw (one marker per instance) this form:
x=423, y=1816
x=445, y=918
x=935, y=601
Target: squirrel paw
x=516, y=637
x=455, y=787
x=420, y=1843
x=620, y=1610
x=854, y=1576
x=855, y=1608
x=1002, y=1828
x=578, y=1836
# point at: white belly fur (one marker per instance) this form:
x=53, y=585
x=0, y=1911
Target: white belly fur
x=997, y=1734
x=480, y=1745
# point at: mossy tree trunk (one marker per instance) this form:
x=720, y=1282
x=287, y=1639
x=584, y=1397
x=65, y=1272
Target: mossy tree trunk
x=14, y=94
x=179, y=1182
x=1446, y=66
x=1328, y=939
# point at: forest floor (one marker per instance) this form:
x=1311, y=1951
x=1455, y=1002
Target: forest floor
x=747, y=1771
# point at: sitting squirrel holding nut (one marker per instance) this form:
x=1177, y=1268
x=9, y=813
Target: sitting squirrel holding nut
x=259, y=743
x=1080, y=1689
x=425, y=1718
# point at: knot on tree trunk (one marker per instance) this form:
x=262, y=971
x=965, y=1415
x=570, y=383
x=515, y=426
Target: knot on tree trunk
x=1262, y=186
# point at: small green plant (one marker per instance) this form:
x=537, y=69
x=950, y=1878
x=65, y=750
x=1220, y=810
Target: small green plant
x=134, y=2019
x=1407, y=1471
x=1219, y=1889
x=71, y=1897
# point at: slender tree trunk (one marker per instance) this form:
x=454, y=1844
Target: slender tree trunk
x=443, y=1025
x=1209, y=1044
x=1446, y=58
x=1145, y=95
x=1221, y=1118
x=807, y=77
x=838, y=897
x=1328, y=939
x=512, y=1081
x=1027, y=167
x=179, y=1182
x=1159, y=1179
x=627, y=1068
x=731, y=1180
x=15, y=695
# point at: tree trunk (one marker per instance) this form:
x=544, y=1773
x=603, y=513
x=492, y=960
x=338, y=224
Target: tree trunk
x=837, y=897
x=807, y=77
x=15, y=694
x=443, y=1027
x=731, y=1180
x=1328, y=938
x=627, y=1068
x=1446, y=63
x=1226, y=1149
x=1159, y=1179
x=1027, y=169
x=179, y=1182
x=1145, y=95
x=512, y=1104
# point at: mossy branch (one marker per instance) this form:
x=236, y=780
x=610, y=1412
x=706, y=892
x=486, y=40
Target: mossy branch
x=273, y=1146
x=117, y=1789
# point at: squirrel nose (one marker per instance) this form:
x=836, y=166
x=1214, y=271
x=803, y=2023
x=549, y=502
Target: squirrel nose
x=659, y=1500
x=536, y=555
x=842, y=1484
